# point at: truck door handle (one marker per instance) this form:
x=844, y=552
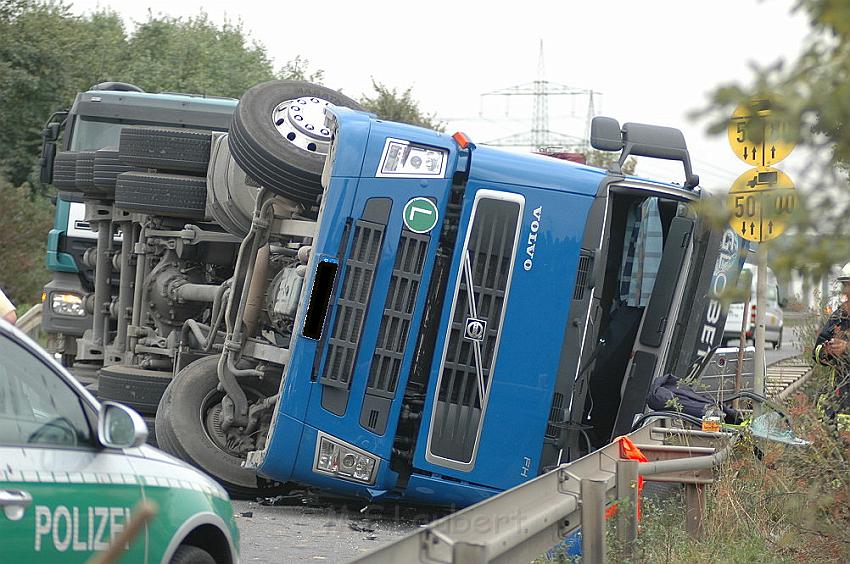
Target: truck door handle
x=14, y=503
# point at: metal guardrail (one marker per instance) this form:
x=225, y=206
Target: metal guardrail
x=522, y=523
x=31, y=320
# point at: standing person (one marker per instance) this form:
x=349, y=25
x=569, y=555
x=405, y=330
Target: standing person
x=832, y=349
x=7, y=309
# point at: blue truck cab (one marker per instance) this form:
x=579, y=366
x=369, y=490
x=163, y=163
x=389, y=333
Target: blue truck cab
x=473, y=317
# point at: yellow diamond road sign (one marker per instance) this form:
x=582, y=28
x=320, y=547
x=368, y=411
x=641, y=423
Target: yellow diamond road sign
x=756, y=137
x=761, y=200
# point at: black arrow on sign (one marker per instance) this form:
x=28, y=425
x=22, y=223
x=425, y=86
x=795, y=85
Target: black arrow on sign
x=752, y=228
x=773, y=152
x=754, y=153
x=744, y=228
x=770, y=227
x=745, y=153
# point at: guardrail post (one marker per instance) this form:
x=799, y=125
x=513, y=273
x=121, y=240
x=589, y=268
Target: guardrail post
x=694, y=509
x=593, y=520
x=627, y=498
x=468, y=553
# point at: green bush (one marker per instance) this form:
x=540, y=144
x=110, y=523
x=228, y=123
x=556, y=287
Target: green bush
x=25, y=220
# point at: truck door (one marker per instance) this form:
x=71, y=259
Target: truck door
x=653, y=335
x=643, y=246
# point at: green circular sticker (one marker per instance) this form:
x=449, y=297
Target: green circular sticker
x=420, y=215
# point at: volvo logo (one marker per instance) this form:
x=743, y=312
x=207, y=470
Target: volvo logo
x=475, y=329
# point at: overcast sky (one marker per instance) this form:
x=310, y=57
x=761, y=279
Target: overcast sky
x=652, y=61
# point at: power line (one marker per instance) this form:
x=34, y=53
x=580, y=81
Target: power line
x=540, y=135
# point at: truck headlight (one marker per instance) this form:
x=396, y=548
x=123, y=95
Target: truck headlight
x=67, y=304
x=408, y=160
x=344, y=461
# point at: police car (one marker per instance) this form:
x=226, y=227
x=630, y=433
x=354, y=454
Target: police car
x=72, y=471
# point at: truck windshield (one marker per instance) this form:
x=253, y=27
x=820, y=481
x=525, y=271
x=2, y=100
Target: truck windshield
x=92, y=134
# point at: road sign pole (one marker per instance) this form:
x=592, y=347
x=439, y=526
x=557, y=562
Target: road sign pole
x=761, y=293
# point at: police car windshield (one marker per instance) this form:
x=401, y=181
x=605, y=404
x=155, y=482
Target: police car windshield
x=36, y=406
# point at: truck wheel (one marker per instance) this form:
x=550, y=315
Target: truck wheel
x=85, y=172
x=170, y=195
x=134, y=387
x=107, y=167
x=278, y=136
x=150, y=421
x=166, y=149
x=188, y=421
x=65, y=171
x=164, y=432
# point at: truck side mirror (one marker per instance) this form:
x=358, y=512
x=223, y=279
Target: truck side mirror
x=45, y=163
x=605, y=134
x=49, y=136
x=659, y=143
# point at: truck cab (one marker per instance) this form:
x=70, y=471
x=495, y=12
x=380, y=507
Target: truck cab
x=472, y=317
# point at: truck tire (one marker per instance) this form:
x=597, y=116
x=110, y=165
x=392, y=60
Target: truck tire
x=164, y=432
x=150, y=421
x=107, y=166
x=186, y=421
x=85, y=173
x=65, y=171
x=278, y=136
x=134, y=387
x=170, y=195
x=166, y=149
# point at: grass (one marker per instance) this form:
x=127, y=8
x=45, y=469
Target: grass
x=769, y=502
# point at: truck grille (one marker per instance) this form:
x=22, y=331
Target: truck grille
x=477, y=313
x=556, y=417
x=398, y=310
x=352, y=303
x=584, y=264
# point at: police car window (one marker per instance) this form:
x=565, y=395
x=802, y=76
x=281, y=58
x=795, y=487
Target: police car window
x=36, y=406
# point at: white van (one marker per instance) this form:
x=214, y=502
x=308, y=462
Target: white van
x=773, y=314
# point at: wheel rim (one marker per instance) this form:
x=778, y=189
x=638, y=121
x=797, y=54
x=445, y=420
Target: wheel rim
x=210, y=416
x=302, y=123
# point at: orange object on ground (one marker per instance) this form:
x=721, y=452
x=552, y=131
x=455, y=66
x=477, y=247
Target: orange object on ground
x=629, y=451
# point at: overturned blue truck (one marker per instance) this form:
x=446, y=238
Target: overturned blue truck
x=414, y=316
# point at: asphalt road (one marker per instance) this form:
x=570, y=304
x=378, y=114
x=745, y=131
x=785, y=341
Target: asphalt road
x=320, y=530
x=791, y=346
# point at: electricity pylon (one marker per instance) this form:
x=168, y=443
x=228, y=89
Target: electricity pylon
x=540, y=136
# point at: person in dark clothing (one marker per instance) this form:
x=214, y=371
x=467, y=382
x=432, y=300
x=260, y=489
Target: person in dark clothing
x=832, y=348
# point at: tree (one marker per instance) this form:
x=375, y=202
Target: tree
x=46, y=55
x=390, y=105
x=24, y=224
x=194, y=55
x=606, y=159
x=299, y=69
x=810, y=95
